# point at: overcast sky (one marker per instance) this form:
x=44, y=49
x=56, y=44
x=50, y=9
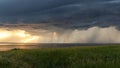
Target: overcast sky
x=61, y=13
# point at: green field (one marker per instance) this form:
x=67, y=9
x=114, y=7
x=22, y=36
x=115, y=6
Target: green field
x=73, y=57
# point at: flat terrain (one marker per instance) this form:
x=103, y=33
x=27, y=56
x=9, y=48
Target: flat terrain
x=69, y=57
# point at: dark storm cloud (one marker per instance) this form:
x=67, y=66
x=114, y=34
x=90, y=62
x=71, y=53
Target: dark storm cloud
x=62, y=13
x=18, y=7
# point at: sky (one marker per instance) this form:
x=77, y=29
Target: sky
x=64, y=20
x=61, y=13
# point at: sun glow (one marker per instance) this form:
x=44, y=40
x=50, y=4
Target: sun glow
x=4, y=34
x=19, y=36
x=30, y=39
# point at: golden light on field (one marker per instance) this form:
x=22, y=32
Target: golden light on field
x=19, y=36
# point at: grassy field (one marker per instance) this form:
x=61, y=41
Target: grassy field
x=74, y=57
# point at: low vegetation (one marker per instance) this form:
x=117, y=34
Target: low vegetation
x=73, y=57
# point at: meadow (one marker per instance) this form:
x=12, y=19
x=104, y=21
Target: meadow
x=69, y=57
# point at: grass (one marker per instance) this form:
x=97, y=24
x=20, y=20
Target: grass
x=74, y=57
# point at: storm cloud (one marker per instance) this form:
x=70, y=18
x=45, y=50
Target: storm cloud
x=68, y=14
x=61, y=21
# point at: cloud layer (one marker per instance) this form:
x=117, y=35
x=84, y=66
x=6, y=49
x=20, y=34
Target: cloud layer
x=91, y=35
x=60, y=13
